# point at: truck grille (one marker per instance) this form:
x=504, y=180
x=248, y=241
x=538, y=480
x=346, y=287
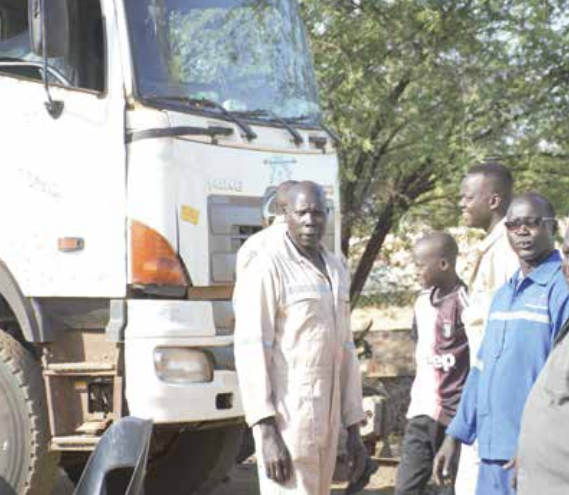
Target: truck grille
x=232, y=221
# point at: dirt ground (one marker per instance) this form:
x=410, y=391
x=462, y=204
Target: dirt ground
x=242, y=480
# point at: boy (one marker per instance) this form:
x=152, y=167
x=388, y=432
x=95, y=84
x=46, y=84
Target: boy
x=442, y=360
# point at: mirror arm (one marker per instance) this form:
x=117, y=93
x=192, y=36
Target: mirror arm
x=53, y=107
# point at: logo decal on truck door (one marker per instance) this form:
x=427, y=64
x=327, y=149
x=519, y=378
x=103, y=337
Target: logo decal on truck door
x=280, y=168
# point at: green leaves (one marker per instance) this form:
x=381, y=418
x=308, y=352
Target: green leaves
x=419, y=90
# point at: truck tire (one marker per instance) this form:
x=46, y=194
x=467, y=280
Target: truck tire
x=26, y=465
x=196, y=462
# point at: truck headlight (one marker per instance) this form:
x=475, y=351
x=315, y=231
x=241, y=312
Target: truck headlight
x=182, y=365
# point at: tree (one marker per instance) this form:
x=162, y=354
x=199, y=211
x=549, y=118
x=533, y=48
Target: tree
x=419, y=90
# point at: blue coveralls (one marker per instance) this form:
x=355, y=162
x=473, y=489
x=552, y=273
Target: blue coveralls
x=525, y=315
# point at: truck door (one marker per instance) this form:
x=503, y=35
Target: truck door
x=62, y=180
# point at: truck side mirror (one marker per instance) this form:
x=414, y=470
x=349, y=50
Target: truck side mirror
x=53, y=15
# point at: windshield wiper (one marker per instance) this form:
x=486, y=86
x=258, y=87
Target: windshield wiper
x=329, y=131
x=326, y=129
x=204, y=102
x=297, y=138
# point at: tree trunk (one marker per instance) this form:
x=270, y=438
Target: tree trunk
x=382, y=228
x=346, y=235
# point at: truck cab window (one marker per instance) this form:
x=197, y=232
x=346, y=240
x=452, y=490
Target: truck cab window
x=84, y=67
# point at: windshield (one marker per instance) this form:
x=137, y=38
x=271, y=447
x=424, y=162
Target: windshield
x=250, y=56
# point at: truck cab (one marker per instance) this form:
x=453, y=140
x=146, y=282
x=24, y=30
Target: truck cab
x=139, y=138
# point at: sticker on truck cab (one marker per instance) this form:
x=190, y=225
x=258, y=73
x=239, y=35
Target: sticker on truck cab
x=189, y=214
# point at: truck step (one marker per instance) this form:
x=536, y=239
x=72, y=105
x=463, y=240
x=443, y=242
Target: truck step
x=74, y=442
x=80, y=369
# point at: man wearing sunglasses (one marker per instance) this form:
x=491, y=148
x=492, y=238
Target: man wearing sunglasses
x=524, y=318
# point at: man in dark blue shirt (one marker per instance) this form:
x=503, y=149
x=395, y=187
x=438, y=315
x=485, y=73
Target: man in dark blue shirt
x=525, y=316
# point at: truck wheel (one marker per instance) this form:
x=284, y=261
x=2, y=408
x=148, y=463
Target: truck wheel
x=26, y=465
x=196, y=462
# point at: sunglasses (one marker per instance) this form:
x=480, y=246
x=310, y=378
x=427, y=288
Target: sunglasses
x=531, y=223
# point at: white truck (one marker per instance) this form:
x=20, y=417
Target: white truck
x=137, y=140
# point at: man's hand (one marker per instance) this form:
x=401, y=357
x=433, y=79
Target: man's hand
x=446, y=461
x=513, y=465
x=357, y=453
x=276, y=458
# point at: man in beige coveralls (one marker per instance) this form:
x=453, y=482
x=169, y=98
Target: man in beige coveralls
x=486, y=193
x=298, y=370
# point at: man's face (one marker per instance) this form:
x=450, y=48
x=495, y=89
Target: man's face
x=565, y=250
x=530, y=231
x=475, y=200
x=306, y=218
x=427, y=263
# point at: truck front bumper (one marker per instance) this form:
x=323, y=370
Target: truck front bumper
x=176, y=325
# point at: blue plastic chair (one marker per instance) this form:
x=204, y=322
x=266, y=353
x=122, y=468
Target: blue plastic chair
x=124, y=445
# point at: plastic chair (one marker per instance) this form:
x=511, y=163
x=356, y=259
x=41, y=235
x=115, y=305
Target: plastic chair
x=124, y=445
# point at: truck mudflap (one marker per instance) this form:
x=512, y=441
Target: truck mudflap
x=172, y=370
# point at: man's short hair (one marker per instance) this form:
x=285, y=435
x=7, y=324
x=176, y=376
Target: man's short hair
x=499, y=175
x=443, y=243
x=538, y=199
x=307, y=185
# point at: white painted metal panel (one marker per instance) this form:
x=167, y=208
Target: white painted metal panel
x=64, y=178
x=153, y=324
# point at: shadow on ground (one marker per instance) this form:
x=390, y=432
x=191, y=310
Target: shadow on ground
x=243, y=481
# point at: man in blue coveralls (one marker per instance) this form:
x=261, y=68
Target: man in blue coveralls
x=525, y=315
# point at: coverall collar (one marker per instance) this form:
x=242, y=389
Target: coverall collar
x=331, y=270
x=543, y=273
x=297, y=255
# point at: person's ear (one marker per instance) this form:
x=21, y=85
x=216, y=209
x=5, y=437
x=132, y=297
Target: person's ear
x=444, y=264
x=495, y=201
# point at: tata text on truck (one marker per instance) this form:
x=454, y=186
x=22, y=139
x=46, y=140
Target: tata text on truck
x=135, y=153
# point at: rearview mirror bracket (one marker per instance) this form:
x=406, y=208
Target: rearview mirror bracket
x=49, y=32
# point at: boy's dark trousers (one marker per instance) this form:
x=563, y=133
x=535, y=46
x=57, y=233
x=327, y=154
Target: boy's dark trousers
x=423, y=437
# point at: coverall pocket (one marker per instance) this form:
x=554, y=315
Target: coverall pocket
x=303, y=324
x=297, y=425
x=302, y=306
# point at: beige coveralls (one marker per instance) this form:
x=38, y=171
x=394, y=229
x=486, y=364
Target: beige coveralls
x=495, y=264
x=296, y=360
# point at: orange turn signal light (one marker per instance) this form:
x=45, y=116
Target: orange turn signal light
x=154, y=261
